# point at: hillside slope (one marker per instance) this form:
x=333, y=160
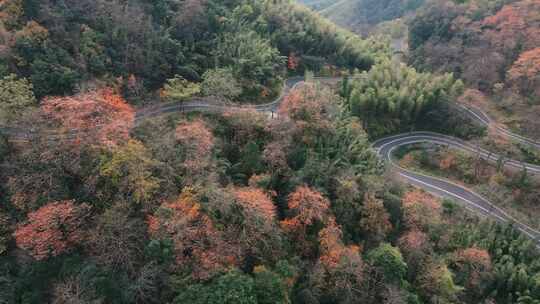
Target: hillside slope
x=197, y=199
x=62, y=46
x=363, y=15
x=493, y=45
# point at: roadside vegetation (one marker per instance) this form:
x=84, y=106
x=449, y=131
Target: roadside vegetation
x=491, y=45
x=100, y=206
x=515, y=191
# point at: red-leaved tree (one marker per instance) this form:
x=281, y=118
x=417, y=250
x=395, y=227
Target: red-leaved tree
x=198, y=245
x=196, y=141
x=525, y=73
x=259, y=233
x=53, y=229
x=421, y=209
x=308, y=207
x=340, y=269
x=99, y=117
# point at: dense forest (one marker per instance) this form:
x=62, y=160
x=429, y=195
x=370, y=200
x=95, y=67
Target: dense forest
x=102, y=200
x=492, y=45
x=392, y=97
x=63, y=47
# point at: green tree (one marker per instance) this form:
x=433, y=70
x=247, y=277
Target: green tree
x=53, y=73
x=251, y=56
x=230, y=288
x=15, y=96
x=391, y=97
x=437, y=283
x=179, y=89
x=92, y=50
x=270, y=287
x=220, y=83
x=389, y=261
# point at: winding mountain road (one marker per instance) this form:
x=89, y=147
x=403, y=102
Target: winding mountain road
x=444, y=188
x=384, y=148
x=481, y=117
x=194, y=105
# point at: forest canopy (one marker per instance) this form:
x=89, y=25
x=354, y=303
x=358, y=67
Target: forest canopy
x=64, y=47
x=168, y=151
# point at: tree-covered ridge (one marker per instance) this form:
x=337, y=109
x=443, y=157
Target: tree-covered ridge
x=363, y=16
x=239, y=208
x=62, y=47
x=485, y=43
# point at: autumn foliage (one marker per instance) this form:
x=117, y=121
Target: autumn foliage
x=413, y=241
x=473, y=262
x=375, y=220
x=436, y=279
x=197, y=141
x=53, y=229
x=308, y=207
x=308, y=106
x=260, y=236
x=478, y=258
x=448, y=160
x=333, y=251
x=525, y=73
x=513, y=25
x=256, y=202
x=97, y=117
x=421, y=209
x=198, y=245
x=340, y=269
x=293, y=61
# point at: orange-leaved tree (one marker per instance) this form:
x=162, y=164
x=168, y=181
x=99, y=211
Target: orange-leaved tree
x=421, y=209
x=256, y=203
x=98, y=117
x=53, y=229
x=413, y=241
x=415, y=246
x=196, y=141
x=375, y=220
x=309, y=108
x=258, y=233
x=293, y=61
x=525, y=73
x=198, y=245
x=307, y=207
x=472, y=264
x=513, y=26
x=333, y=251
x=340, y=269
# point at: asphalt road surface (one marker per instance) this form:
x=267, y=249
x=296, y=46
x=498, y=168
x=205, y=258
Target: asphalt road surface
x=444, y=188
